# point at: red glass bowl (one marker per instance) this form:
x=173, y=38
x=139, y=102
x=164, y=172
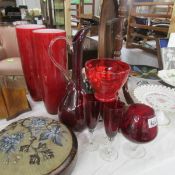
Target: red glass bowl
x=106, y=77
x=139, y=123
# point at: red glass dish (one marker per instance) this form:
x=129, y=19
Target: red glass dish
x=139, y=123
x=106, y=77
x=24, y=37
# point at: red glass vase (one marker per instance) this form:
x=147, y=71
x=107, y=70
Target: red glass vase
x=52, y=80
x=24, y=37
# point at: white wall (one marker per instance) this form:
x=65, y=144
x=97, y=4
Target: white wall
x=88, y=8
x=97, y=7
x=30, y=3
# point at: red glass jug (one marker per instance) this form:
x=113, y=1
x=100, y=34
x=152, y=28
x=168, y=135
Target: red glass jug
x=71, y=109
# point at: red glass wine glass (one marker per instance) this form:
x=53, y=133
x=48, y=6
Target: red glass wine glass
x=112, y=114
x=106, y=77
x=92, y=109
x=139, y=125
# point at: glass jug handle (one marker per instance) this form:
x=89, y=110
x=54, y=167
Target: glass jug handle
x=50, y=52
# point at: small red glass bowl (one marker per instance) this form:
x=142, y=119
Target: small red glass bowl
x=139, y=123
x=106, y=77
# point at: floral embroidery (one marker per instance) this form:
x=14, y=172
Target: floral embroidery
x=36, y=125
x=53, y=134
x=39, y=130
x=9, y=143
x=38, y=122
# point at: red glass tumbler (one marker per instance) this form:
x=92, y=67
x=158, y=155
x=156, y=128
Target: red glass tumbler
x=24, y=37
x=52, y=80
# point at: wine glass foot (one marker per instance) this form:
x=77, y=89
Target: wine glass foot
x=134, y=151
x=108, y=155
x=91, y=147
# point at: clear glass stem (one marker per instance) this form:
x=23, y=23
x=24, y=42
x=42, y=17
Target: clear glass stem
x=163, y=120
x=91, y=137
x=134, y=150
x=109, y=153
x=109, y=146
x=92, y=146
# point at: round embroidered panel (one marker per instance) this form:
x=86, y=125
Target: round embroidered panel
x=36, y=146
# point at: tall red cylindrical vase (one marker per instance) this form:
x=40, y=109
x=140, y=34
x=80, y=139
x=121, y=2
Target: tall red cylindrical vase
x=53, y=81
x=24, y=37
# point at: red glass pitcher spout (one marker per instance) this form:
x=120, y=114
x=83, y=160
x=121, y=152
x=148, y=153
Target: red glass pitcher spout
x=80, y=35
x=76, y=49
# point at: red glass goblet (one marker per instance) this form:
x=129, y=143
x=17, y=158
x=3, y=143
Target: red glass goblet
x=92, y=109
x=112, y=114
x=139, y=125
x=106, y=77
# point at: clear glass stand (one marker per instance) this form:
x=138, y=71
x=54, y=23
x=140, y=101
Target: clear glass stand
x=92, y=145
x=162, y=119
x=134, y=150
x=109, y=152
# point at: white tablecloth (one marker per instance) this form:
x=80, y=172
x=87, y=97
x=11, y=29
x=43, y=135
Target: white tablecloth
x=158, y=160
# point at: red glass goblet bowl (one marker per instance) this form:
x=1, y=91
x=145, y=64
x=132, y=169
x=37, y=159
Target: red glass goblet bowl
x=106, y=77
x=139, y=124
x=112, y=114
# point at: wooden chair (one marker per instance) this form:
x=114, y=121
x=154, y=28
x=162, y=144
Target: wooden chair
x=147, y=21
x=110, y=28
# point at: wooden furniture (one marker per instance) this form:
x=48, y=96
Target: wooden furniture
x=56, y=14
x=14, y=101
x=110, y=28
x=172, y=23
x=67, y=6
x=3, y=109
x=79, y=13
x=148, y=21
x=5, y=3
x=59, y=13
